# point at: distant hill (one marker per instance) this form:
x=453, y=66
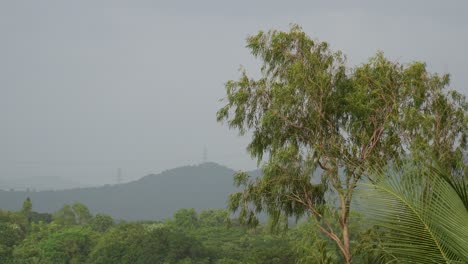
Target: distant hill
x=153, y=197
x=39, y=183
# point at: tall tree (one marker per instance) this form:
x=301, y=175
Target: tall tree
x=65, y=216
x=309, y=111
x=77, y=214
x=26, y=210
x=82, y=214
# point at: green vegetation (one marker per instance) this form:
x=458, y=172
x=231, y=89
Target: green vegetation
x=398, y=222
x=368, y=161
x=320, y=127
x=188, y=237
x=421, y=225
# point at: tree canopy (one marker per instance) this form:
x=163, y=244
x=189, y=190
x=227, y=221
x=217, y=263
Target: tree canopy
x=310, y=114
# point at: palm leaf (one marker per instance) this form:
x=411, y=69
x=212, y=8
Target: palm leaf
x=424, y=217
x=459, y=184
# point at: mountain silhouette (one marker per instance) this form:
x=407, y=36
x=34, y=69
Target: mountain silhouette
x=153, y=197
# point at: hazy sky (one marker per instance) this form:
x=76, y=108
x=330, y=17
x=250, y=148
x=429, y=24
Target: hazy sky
x=87, y=87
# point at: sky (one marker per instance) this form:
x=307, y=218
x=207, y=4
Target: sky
x=87, y=87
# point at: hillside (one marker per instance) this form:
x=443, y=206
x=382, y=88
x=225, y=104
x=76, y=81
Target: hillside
x=41, y=183
x=152, y=197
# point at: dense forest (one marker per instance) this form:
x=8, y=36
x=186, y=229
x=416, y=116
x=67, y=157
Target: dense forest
x=73, y=235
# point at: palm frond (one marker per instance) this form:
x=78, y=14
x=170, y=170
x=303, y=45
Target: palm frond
x=424, y=216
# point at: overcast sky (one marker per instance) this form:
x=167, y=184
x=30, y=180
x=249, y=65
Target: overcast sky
x=87, y=87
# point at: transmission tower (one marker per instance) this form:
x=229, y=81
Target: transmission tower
x=119, y=175
x=205, y=154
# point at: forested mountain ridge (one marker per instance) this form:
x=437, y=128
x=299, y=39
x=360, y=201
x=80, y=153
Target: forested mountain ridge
x=153, y=197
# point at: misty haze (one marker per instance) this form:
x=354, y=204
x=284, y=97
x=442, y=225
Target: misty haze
x=233, y=132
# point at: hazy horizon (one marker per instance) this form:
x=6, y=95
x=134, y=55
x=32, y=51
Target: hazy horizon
x=88, y=87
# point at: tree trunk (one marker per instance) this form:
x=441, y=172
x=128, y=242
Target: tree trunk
x=346, y=252
x=344, y=221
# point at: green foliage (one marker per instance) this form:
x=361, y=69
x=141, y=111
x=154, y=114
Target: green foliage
x=102, y=223
x=28, y=251
x=133, y=243
x=36, y=217
x=319, y=128
x=10, y=235
x=213, y=217
x=422, y=215
x=13, y=229
x=186, y=218
x=188, y=238
x=236, y=244
x=77, y=214
x=65, y=216
x=50, y=243
x=82, y=214
x=27, y=208
x=312, y=246
x=16, y=218
x=209, y=241
x=368, y=246
x=309, y=111
x=71, y=245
